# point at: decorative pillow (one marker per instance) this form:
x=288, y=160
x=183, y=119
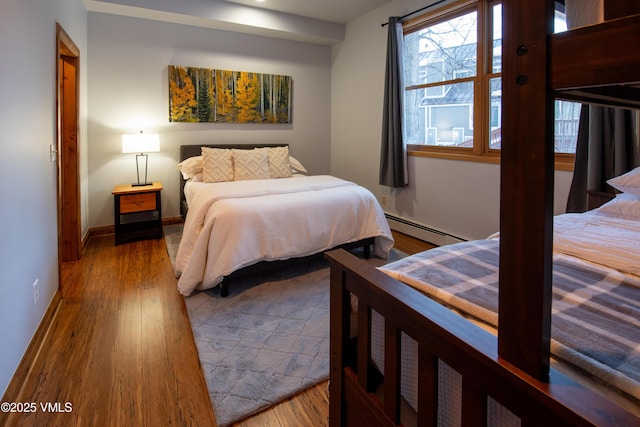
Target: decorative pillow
x=217, y=164
x=296, y=166
x=250, y=164
x=623, y=206
x=627, y=183
x=279, y=164
x=190, y=167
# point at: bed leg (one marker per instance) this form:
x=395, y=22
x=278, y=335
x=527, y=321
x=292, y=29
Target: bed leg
x=224, y=290
x=366, y=250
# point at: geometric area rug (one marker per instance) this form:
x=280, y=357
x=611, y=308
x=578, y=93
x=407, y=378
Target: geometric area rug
x=268, y=339
x=262, y=343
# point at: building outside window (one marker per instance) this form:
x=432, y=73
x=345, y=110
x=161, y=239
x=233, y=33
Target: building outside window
x=453, y=98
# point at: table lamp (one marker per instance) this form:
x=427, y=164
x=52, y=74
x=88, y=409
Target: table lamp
x=141, y=143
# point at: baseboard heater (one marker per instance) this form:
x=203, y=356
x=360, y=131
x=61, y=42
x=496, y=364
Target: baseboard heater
x=422, y=232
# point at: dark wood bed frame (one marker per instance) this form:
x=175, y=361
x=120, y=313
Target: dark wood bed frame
x=592, y=64
x=187, y=151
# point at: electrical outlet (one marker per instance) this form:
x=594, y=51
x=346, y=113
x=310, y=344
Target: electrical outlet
x=383, y=200
x=36, y=292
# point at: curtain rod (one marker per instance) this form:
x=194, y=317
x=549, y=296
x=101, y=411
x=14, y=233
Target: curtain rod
x=416, y=11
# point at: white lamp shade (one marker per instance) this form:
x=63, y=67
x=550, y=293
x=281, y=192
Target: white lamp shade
x=140, y=143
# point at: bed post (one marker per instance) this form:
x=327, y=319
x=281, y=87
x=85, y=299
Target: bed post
x=526, y=201
x=340, y=308
x=224, y=289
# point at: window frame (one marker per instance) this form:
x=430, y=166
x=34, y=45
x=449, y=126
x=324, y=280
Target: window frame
x=482, y=109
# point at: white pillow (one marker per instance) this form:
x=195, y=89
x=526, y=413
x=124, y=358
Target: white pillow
x=217, y=164
x=250, y=164
x=296, y=166
x=623, y=206
x=279, y=164
x=627, y=183
x=190, y=167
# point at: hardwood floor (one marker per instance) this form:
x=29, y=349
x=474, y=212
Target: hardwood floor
x=120, y=350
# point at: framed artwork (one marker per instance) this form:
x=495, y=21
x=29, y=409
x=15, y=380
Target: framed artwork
x=203, y=95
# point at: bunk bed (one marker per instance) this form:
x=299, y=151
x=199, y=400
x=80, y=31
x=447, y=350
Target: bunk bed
x=595, y=64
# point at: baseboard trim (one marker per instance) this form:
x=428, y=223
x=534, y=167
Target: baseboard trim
x=172, y=220
x=422, y=232
x=100, y=231
x=110, y=229
x=15, y=388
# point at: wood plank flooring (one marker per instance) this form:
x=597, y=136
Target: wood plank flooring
x=120, y=350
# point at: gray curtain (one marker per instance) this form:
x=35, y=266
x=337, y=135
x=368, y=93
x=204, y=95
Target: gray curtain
x=606, y=145
x=393, y=164
x=606, y=148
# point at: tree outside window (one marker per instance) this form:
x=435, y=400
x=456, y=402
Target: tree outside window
x=453, y=98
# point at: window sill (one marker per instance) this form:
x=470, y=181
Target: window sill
x=448, y=155
x=563, y=162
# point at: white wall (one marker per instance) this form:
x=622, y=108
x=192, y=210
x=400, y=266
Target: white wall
x=28, y=220
x=458, y=198
x=128, y=91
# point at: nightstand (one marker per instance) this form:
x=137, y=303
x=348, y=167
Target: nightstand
x=138, y=212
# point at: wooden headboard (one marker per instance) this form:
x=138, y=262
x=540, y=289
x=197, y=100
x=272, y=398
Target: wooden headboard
x=187, y=151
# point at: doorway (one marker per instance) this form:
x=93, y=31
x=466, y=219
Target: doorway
x=67, y=150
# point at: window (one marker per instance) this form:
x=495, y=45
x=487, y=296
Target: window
x=440, y=72
x=453, y=90
x=567, y=114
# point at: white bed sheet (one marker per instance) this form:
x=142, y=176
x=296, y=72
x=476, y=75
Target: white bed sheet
x=231, y=225
x=600, y=239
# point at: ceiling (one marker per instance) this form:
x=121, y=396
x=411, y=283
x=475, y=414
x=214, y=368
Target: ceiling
x=309, y=21
x=340, y=11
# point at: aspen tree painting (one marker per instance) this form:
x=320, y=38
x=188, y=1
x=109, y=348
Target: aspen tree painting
x=200, y=95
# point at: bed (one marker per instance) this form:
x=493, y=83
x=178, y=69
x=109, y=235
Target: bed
x=596, y=298
x=595, y=333
x=511, y=368
x=247, y=205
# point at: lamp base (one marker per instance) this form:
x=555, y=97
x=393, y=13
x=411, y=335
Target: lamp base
x=140, y=175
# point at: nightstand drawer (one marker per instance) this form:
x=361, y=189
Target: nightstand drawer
x=138, y=202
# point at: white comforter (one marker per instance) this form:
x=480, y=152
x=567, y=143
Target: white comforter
x=600, y=239
x=235, y=224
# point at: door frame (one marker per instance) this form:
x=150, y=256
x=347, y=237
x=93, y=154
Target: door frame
x=67, y=148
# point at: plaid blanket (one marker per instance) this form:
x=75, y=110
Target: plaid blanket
x=595, y=313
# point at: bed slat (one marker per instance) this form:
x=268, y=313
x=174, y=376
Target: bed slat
x=392, y=371
x=364, y=344
x=474, y=405
x=427, y=381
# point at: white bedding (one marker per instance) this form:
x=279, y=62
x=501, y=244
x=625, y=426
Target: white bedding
x=600, y=239
x=231, y=225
